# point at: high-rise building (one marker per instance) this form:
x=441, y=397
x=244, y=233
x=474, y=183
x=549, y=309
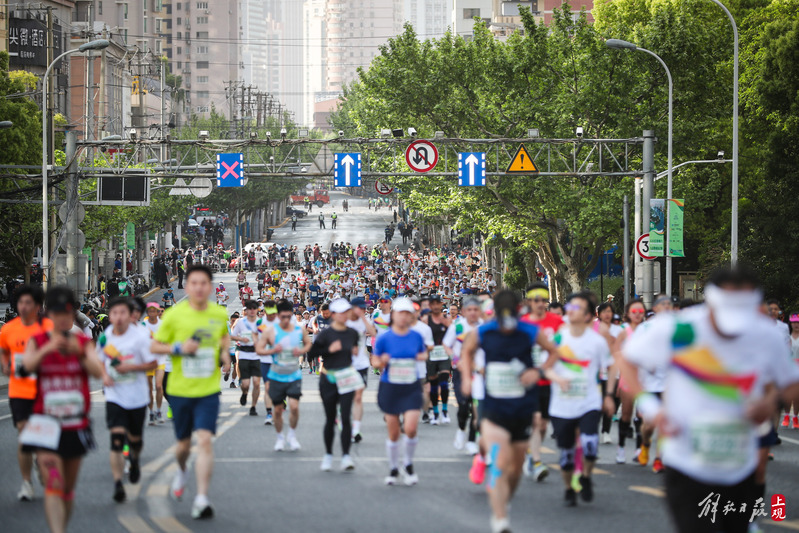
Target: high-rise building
x=430, y=18
x=283, y=40
x=464, y=13
x=314, y=58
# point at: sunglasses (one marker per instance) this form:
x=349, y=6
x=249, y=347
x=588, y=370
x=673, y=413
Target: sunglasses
x=637, y=311
x=285, y=316
x=572, y=307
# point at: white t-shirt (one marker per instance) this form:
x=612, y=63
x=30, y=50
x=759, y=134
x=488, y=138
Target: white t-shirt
x=360, y=361
x=427, y=335
x=582, y=359
x=795, y=349
x=152, y=330
x=133, y=347
x=710, y=380
x=245, y=328
x=266, y=324
x=456, y=333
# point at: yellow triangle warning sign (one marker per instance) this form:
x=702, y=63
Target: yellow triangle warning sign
x=522, y=163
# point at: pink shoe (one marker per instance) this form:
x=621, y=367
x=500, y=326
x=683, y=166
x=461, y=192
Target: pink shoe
x=477, y=472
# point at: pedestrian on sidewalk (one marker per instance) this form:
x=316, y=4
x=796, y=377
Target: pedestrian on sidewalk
x=293, y=222
x=321, y=221
x=333, y=217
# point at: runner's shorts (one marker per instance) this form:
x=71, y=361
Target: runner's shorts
x=396, y=399
x=249, y=368
x=565, y=428
x=117, y=416
x=265, y=371
x=365, y=375
x=191, y=414
x=434, y=368
x=280, y=390
x=21, y=409
x=544, y=396
x=519, y=428
x=73, y=443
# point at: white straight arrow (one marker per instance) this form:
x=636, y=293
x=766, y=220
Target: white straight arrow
x=471, y=161
x=348, y=161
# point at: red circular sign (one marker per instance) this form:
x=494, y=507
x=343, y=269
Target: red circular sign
x=421, y=156
x=382, y=188
x=642, y=247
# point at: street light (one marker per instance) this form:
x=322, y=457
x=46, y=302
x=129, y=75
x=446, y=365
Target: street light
x=97, y=44
x=6, y=124
x=624, y=45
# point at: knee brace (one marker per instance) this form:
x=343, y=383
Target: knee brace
x=567, y=459
x=443, y=382
x=137, y=446
x=590, y=446
x=117, y=442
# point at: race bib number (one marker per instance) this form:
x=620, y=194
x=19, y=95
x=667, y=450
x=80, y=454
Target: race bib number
x=438, y=353
x=286, y=357
x=502, y=381
x=64, y=405
x=578, y=387
x=539, y=356
x=202, y=365
x=721, y=444
x=42, y=432
x=348, y=380
x=402, y=371
x=121, y=378
x=19, y=367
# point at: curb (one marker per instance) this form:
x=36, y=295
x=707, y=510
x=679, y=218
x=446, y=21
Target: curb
x=155, y=290
x=285, y=220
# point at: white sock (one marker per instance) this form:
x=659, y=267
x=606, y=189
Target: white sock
x=291, y=433
x=392, y=449
x=356, y=427
x=410, y=449
x=201, y=500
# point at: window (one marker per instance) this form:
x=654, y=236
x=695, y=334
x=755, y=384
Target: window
x=99, y=8
x=202, y=64
x=180, y=64
x=203, y=94
x=158, y=47
x=202, y=35
x=180, y=50
x=180, y=21
x=145, y=24
x=202, y=79
x=125, y=12
x=202, y=5
x=202, y=20
x=179, y=6
x=202, y=109
x=202, y=49
x=179, y=35
x=470, y=13
x=126, y=36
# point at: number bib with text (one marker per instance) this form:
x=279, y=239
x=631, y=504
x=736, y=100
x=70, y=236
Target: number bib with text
x=438, y=353
x=720, y=443
x=202, y=365
x=402, y=371
x=65, y=406
x=42, y=432
x=502, y=381
x=578, y=387
x=348, y=380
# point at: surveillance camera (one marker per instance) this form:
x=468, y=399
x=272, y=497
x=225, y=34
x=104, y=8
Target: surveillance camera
x=579, y=132
x=341, y=133
x=721, y=155
x=268, y=133
x=132, y=134
x=412, y=132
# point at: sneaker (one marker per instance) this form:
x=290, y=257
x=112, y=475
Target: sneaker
x=201, y=509
x=346, y=464
x=152, y=420
x=606, y=438
x=25, y=493
x=425, y=418
x=796, y=422
x=392, y=478
x=327, y=463
x=357, y=438
x=445, y=418
x=243, y=399
x=472, y=448
x=570, y=497
x=477, y=472
x=643, y=457
x=159, y=418
x=587, y=494
x=777, y=441
x=657, y=466
x=540, y=472
x=294, y=444
x=134, y=474
x=280, y=444
x=460, y=439
x=268, y=419
x=253, y=412
x=119, y=492
x=226, y=376
x=169, y=413
x=527, y=466
x=178, y=485
x=786, y=420
x=636, y=455
x=500, y=525
x=233, y=384
x=575, y=484
x=620, y=456
x=409, y=478
x=434, y=420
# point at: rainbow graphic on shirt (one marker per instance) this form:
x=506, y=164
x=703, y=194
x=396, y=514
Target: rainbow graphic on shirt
x=710, y=375
x=568, y=359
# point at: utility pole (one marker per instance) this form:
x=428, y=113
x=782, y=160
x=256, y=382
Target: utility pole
x=648, y=291
x=626, y=250
x=231, y=94
x=89, y=62
x=163, y=110
x=241, y=120
x=101, y=111
x=71, y=219
x=50, y=126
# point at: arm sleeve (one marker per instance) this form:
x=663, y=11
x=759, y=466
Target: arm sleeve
x=651, y=346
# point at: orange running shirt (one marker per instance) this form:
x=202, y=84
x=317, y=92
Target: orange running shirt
x=13, y=340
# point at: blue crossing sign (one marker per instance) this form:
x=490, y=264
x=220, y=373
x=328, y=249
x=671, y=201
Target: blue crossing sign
x=230, y=170
x=347, y=170
x=472, y=169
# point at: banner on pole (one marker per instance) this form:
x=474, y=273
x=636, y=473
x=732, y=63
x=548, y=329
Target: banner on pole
x=676, y=212
x=657, y=226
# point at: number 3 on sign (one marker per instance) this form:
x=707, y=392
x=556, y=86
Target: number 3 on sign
x=642, y=247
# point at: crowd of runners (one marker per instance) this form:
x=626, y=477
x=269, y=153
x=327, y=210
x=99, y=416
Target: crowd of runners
x=701, y=389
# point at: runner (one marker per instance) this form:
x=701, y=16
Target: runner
x=319, y=323
x=168, y=298
x=397, y=352
x=634, y=313
x=245, y=333
x=360, y=323
x=124, y=352
x=287, y=342
x=222, y=296
x=510, y=396
x=232, y=350
x=337, y=344
x=584, y=356
x=14, y=337
x=722, y=356
x=151, y=324
x=59, y=430
x=604, y=326
x=267, y=322
x=439, y=364
x=194, y=333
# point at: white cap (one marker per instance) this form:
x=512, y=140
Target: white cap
x=339, y=305
x=733, y=311
x=403, y=304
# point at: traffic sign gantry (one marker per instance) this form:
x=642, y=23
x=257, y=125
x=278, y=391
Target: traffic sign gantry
x=472, y=169
x=642, y=247
x=522, y=163
x=230, y=170
x=421, y=156
x=347, y=170
x=382, y=188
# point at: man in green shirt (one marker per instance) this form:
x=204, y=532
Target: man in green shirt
x=194, y=333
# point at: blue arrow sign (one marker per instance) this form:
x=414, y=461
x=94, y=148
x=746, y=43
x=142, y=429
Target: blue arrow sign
x=230, y=170
x=347, y=170
x=472, y=169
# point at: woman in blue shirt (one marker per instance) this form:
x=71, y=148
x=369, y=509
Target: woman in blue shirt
x=400, y=392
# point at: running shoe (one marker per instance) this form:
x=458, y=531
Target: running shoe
x=134, y=474
x=409, y=478
x=657, y=466
x=445, y=418
x=243, y=399
x=327, y=463
x=280, y=444
x=796, y=422
x=540, y=472
x=226, y=376
x=169, y=413
x=346, y=464
x=500, y=525
x=233, y=384
x=587, y=492
x=268, y=419
x=620, y=456
x=25, y=493
x=178, y=485
x=392, y=478
x=159, y=418
x=477, y=472
x=425, y=418
x=152, y=420
x=606, y=438
x=253, y=412
x=472, y=448
x=119, y=492
x=527, y=466
x=786, y=420
x=575, y=484
x=434, y=420
x=570, y=498
x=643, y=457
x=294, y=444
x=201, y=508
x=357, y=438
x=636, y=455
x=460, y=439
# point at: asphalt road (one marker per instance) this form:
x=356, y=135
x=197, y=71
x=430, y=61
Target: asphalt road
x=257, y=489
